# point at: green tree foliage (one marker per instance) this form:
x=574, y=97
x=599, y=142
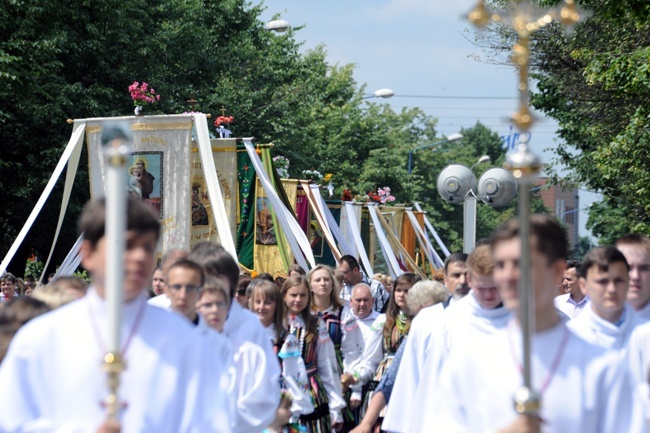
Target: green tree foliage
x=80, y=64
x=596, y=84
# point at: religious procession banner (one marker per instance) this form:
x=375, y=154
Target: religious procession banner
x=159, y=172
x=267, y=254
x=246, y=178
x=224, y=154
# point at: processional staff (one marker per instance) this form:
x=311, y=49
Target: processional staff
x=116, y=139
x=525, y=18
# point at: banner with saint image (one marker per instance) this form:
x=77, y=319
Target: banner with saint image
x=158, y=170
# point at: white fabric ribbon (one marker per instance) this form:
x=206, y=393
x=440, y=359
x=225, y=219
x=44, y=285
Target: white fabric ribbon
x=353, y=229
x=313, y=196
x=389, y=255
x=71, y=261
x=293, y=232
x=432, y=254
x=433, y=231
x=345, y=247
x=70, y=174
x=212, y=182
x=75, y=141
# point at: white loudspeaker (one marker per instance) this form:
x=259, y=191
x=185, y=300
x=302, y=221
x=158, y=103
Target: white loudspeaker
x=454, y=182
x=497, y=187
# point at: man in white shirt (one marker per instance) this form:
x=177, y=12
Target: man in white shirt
x=608, y=321
x=455, y=277
x=52, y=373
x=636, y=249
x=573, y=301
x=255, y=396
x=361, y=344
x=352, y=275
x=582, y=387
x=432, y=334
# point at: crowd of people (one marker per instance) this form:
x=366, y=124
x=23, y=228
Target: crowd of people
x=209, y=348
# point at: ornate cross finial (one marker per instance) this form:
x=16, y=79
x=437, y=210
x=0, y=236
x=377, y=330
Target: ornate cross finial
x=525, y=18
x=192, y=101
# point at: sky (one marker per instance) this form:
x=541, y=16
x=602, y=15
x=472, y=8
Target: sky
x=423, y=51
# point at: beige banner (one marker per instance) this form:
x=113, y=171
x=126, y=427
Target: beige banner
x=266, y=251
x=224, y=153
x=158, y=171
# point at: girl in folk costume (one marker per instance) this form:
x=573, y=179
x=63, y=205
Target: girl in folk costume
x=267, y=304
x=327, y=305
x=396, y=324
x=318, y=355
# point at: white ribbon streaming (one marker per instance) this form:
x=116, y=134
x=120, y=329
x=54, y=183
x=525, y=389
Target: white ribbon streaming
x=70, y=174
x=75, y=140
x=389, y=255
x=314, y=198
x=293, y=232
x=345, y=247
x=432, y=254
x=433, y=231
x=71, y=261
x=212, y=182
x=353, y=228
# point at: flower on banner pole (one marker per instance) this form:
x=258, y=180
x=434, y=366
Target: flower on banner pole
x=380, y=196
x=281, y=165
x=142, y=95
x=313, y=176
x=220, y=122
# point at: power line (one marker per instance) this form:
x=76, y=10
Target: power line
x=397, y=95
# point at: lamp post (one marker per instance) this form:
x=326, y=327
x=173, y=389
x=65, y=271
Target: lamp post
x=380, y=93
x=457, y=184
x=452, y=137
x=278, y=26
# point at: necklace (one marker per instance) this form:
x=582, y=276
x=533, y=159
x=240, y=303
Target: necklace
x=293, y=329
x=554, y=365
x=132, y=331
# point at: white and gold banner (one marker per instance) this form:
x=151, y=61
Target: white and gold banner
x=224, y=154
x=158, y=171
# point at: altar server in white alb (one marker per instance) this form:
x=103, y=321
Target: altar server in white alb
x=184, y=286
x=608, y=320
x=636, y=249
x=52, y=374
x=583, y=388
x=481, y=312
x=255, y=391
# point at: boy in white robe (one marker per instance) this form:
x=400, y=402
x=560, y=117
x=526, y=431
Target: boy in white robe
x=608, y=320
x=636, y=249
x=184, y=282
x=432, y=334
x=52, y=374
x=255, y=390
x=582, y=388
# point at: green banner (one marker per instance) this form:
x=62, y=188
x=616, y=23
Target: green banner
x=246, y=227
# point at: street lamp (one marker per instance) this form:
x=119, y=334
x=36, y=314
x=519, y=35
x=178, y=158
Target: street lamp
x=278, y=26
x=381, y=93
x=481, y=160
x=456, y=183
x=452, y=137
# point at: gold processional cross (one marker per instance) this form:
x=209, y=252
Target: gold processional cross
x=525, y=18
